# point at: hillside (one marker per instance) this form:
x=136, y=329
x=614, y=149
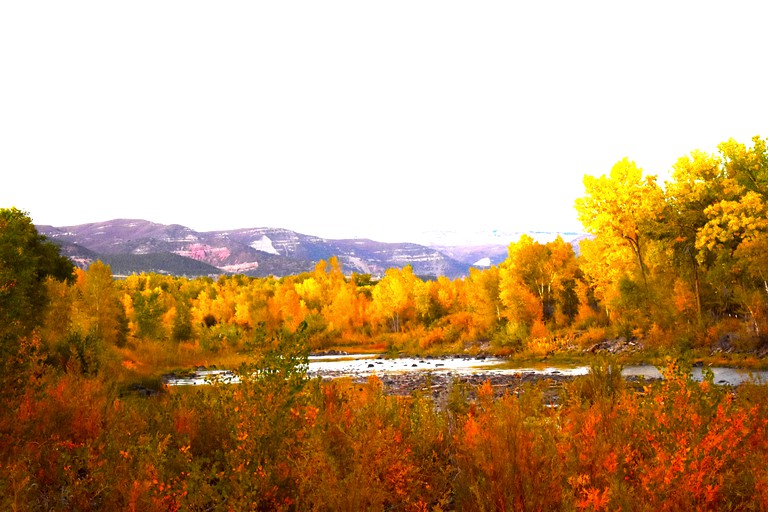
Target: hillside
x=133, y=246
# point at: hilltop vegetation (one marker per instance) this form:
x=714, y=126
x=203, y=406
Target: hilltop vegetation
x=680, y=270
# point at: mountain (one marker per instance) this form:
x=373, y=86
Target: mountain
x=475, y=255
x=133, y=246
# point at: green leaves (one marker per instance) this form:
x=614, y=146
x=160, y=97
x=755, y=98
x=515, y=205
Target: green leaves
x=26, y=260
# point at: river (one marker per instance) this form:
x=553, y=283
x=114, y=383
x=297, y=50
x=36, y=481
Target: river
x=365, y=364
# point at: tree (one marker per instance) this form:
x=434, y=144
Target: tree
x=483, y=299
x=286, y=308
x=98, y=309
x=747, y=166
x=603, y=266
x=394, y=295
x=546, y=270
x=345, y=310
x=698, y=181
x=619, y=207
x=148, y=309
x=736, y=230
x=27, y=259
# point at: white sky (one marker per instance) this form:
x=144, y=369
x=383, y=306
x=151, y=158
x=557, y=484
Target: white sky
x=360, y=118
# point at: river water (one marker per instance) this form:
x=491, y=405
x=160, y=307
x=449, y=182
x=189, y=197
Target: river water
x=363, y=365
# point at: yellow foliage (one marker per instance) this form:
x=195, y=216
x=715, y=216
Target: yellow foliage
x=541, y=347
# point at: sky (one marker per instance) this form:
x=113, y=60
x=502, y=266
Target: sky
x=380, y=120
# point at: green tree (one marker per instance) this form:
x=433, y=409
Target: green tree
x=27, y=259
x=149, y=309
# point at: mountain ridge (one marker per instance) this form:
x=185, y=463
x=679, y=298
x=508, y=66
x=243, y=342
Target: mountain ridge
x=137, y=245
x=128, y=244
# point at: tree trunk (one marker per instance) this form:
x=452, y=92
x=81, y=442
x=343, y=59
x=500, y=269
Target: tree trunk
x=635, y=244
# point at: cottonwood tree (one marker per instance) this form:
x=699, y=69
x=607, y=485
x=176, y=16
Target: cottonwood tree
x=698, y=182
x=394, y=295
x=548, y=271
x=619, y=207
x=736, y=232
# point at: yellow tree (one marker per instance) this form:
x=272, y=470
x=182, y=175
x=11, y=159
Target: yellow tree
x=97, y=308
x=331, y=277
x=447, y=293
x=751, y=256
x=251, y=308
x=286, y=307
x=393, y=296
x=224, y=305
x=740, y=212
x=733, y=222
x=202, y=307
x=737, y=226
x=149, y=307
x=522, y=306
x=603, y=266
x=344, y=312
x=618, y=208
x=432, y=300
x=698, y=181
x=482, y=299
x=58, y=314
x=748, y=166
x=547, y=270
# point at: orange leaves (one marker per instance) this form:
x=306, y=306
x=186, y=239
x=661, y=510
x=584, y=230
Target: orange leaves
x=485, y=391
x=471, y=432
x=594, y=499
x=343, y=445
x=678, y=446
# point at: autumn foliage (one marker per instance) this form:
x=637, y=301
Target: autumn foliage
x=281, y=442
x=679, y=268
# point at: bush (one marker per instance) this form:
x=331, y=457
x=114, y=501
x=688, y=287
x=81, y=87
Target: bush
x=219, y=336
x=591, y=337
x=603, y=382
x=79, y=353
